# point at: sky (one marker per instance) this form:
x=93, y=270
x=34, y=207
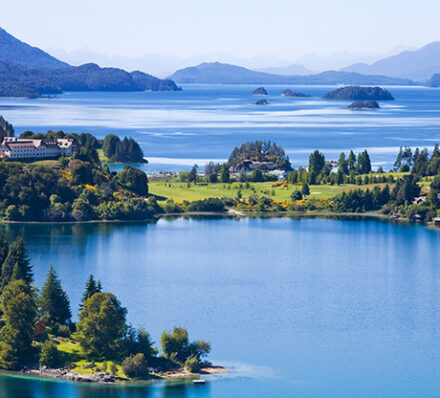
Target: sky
x=281, y=29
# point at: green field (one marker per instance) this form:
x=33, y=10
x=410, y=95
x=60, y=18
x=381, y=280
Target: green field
x=180, y=191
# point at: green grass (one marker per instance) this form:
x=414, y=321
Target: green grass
x=180, y=191
x=102, y=157
x=72, y=351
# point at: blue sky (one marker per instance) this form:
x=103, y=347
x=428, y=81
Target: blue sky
x=285, y=29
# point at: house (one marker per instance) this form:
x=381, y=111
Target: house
x=419, y=200
x=16, y=148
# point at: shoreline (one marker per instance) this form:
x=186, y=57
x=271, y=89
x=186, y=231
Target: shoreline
x=237, y=214
x=62, y=374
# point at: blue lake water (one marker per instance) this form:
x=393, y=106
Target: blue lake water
x=295, y=308
x=204, y=122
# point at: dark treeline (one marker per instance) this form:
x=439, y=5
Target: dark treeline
x=32, y=323
x=125, y=151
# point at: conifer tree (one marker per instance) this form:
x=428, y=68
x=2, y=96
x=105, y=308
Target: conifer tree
x=4, y=248
x=16, y=265
x=53, y=301
x=19, y=313
x=91, y=288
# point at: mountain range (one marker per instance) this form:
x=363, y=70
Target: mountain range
x=27, y=71
x=418, y=65
x=219, y=73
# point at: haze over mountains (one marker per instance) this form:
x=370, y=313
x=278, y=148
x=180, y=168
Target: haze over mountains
x=418, y=65
x=218, y=73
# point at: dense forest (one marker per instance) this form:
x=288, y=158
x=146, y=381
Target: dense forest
x=36, y=327
x=18, y=81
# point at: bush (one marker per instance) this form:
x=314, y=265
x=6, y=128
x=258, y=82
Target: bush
x=210, y=204
x=135, y=366
x=297, y=195
x=49, y=355
x=192, y=365
x=171, y=207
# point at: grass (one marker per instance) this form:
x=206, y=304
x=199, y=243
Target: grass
x=102, y=157
x=180, y=191
x=72, y=351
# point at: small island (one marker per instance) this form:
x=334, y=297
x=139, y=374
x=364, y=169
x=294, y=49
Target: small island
x=38, y=336
x=261, y=102
x=290, y=93
x=371, y=104
x=357, y=93
x=260, y=91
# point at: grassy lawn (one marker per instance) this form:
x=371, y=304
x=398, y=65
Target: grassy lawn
x=72, y=350
x=180, y=191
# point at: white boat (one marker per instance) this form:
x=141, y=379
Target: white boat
x=199, y=381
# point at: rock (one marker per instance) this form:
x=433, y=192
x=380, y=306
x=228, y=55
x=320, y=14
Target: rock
x=290, y=93
x=261, y=102
x=260, y=91
x=357, y=93
x=364, y=105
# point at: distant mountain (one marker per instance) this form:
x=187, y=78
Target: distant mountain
x=27, y=71
x=289, y=70
x=418, y=65
x=17, y=81
x=219, y=73
x=15, y=51
x=434, y=81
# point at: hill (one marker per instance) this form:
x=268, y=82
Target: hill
x=418, y=65
x=219, y=73
x=17, y=81
x=19, y=53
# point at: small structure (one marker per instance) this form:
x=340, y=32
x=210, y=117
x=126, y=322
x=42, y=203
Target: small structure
x=419, y=200
x=436, y=221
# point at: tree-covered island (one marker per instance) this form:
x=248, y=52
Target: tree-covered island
x=38, y=336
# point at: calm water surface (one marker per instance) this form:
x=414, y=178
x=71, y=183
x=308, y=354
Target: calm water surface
x=205, y=122
x=295, y=308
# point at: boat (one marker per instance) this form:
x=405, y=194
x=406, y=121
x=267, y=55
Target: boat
x=199, y=381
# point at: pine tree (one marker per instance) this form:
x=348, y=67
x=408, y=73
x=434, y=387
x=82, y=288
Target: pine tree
x=4, y=249
x=91, y=288
x=16, y=265
x=351, y=161
x=19, y=313
x=53, y=301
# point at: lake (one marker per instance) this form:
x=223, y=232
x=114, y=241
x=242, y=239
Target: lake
x=295, y=308
x=205, y=122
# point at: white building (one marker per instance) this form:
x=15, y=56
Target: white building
x=16, y=148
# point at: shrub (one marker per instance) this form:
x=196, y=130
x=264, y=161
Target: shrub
x=192, y=365
x=135, y=366
x=297, y=195
x=49, y=355
x=171, y=207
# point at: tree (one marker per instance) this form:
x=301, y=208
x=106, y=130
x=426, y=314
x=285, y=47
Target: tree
x=19, y=312
x=305, y=190
x=192, y=365
x=342, y=164
x=138, y=341
x=296, y=195
x=193, y=174
x=363, y=165
x=90, y=289
x=53, y=301
x=110, y=145
x=316, y=163
x=4, y=249
x=134, y=179
x=351, y=161
x=101, y=326
x=50, y=356
x=16, y=265
x=175, y=344
x=135, y=366
x=224, y=173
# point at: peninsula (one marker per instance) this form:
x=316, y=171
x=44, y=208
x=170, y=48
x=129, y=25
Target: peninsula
x=100, y=347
